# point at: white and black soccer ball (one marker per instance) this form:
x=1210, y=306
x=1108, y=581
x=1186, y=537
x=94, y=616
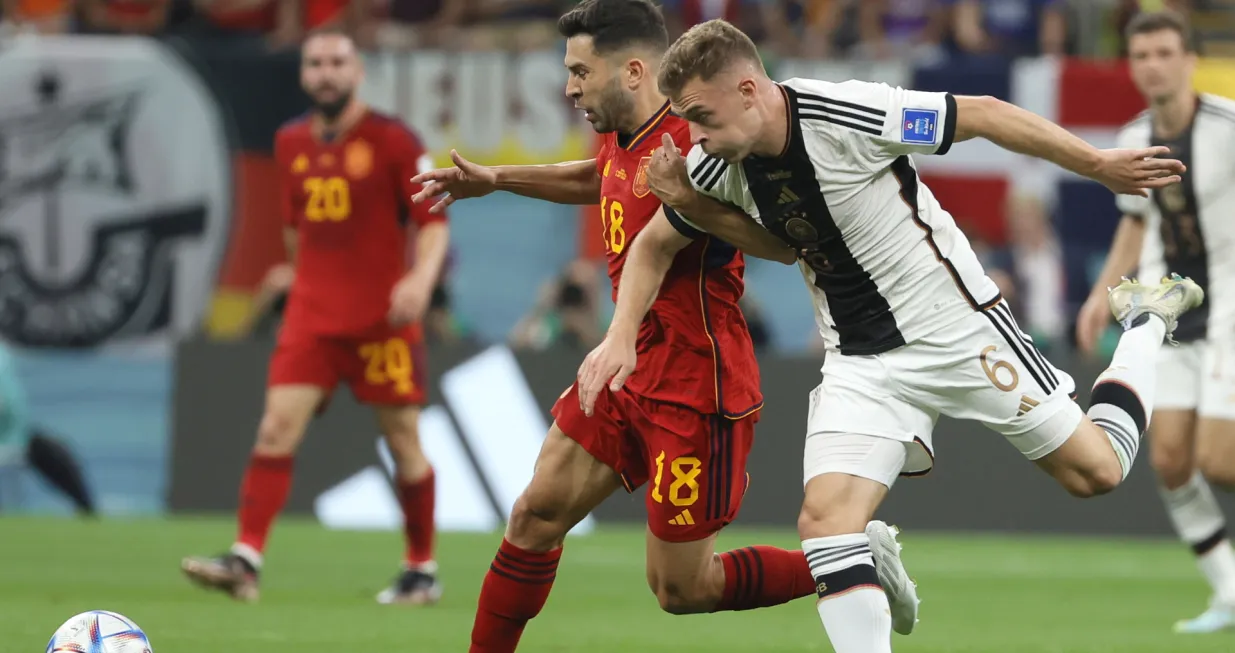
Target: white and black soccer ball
x=99, y=631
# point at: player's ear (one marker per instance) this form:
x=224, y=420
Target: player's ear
x=748, y=88
x=635, y=72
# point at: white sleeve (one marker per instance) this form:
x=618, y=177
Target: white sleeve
x=709, y=176
x=880, y=122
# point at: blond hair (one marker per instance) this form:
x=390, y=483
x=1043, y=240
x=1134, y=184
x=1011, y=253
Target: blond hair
x=703, y=52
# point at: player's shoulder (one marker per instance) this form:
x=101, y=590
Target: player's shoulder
x=1218, y=107
x=391, y=125
x=705, y=170
x=297, y=127
x=852, y=91
x=1136, y=132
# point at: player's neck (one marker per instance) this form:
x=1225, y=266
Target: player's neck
x=773, y=140
x=1172, y=116
x=326, y=129
x=647, y=107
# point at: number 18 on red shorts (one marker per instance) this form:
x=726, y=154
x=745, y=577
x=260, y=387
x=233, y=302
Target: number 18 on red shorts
x=384, y=366
x=694, y=464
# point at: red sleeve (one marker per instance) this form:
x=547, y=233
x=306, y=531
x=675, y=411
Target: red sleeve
x=408, y=159
x=602, y=153
x=283, y=163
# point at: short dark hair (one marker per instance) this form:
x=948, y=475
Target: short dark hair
x=616, y=24
x=704, y=51
x=1158, y=21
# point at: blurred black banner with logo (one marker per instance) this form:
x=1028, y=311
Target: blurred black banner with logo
x=489, y=409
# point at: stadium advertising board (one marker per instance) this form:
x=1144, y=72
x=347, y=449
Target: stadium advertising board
x=487, y=418
x=115, y=191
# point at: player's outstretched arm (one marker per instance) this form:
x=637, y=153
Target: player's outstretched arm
x=1124, y=171
x=1125, y=253
x=613, y=360
x=573, y=182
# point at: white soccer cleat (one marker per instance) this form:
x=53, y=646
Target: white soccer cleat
x=901, y=590
x=1168, y=300
x=1217, y=618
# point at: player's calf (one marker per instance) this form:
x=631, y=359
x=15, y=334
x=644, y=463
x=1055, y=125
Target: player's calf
x=686, y=577
x=1123, y=396
x=567, y=485
x=415, y=486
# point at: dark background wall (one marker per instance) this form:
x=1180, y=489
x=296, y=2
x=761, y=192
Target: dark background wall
x=979, y=483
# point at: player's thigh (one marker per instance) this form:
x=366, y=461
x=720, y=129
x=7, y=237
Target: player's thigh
x=985, y=369
x=697, y=464
x=847, y=476
x=863, y=395
x=579, y=466
x=302, y=373
x=386, y=367
x=1216, y=410
x=1173, y=445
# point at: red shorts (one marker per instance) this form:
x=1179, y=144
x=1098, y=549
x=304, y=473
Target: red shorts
x=696, y=462
x=385, y=366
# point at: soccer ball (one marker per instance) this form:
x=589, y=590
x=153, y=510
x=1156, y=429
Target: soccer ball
x=99, y=631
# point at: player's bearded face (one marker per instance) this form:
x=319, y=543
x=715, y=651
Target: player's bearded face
x=330, y=72
x=1161, y=67
x=612, y=105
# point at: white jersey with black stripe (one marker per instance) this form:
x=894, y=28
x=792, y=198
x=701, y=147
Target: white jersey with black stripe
x=1190, y=226
x=886, y=264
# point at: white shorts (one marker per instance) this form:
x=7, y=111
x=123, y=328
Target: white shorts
x=1198, y=376
x=982, y=368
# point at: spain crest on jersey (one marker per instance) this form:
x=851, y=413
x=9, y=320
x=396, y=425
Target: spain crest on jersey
x=641, y=187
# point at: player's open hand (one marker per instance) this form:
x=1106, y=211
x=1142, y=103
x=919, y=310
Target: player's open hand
x=408, y=301
x=461, y=182
x=667, y=175
x=1094, y=317
x=1137, y=171
x=612, y=362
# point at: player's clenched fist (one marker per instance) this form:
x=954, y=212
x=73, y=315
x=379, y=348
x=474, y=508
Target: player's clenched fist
x=667, y=175
x=612, y=362
x=461, y=182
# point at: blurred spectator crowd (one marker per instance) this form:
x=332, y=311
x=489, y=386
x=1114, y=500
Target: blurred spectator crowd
x=923, y=30
x=569, y=310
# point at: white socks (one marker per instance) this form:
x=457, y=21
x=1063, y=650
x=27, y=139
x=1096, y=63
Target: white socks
x=1124, y=393
x=852, y=605
x=1201, y=525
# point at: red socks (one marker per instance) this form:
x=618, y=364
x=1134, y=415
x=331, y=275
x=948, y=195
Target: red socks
x=417, y=500
x=263, y=492
x=514, y=591
x=764, y=576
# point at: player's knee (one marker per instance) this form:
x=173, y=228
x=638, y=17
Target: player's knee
x=538, y=524
x=821, y=518
x=1095, y=481
x=1218, y=471
x=278, y=434
x=1172, y=465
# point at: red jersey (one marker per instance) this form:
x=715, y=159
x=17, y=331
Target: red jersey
x=694, y=347
x=349, y=200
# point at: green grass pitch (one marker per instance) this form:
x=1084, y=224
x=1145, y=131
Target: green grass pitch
x=980, y=594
